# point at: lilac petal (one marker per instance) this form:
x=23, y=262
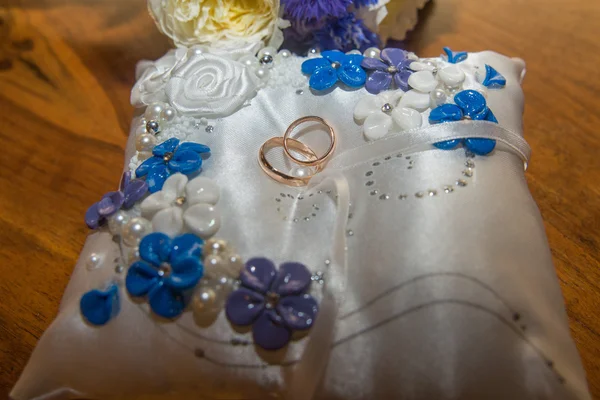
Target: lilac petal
x=334, y=56
x=185, y=162
x=186, y=245
x=243, y=306
x=401, y=80
x=298, y=312
x=134, y=191
x=125, y=180
x=393, y=56
x=269, y=331
x=165, y=301
x=258, y=274
x=186, y=273
x=195, y=147
x=352, y=75
x=378, y=81
x=168, y=146
x=323, y=78
x=155, y=248
x=111, y=202
x=311, y=65
x=292, y=278
x=147, y=165
x=373, y=63
x=141, y=277
x=156, y=177
x=92, y=218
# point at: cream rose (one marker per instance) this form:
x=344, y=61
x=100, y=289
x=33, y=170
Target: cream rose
x=227, y=26
x=212, y=86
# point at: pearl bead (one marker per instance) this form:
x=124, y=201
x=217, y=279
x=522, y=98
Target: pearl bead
x=204, y=300
x=354, y=52
x=284, y=53
x=168, y=114
x=267, y=51
x=153, y=111
x=94, y=261
x=215, y=246
x=313, y=52
x=131, y=254
x=143, y=121
x=135, y=230
x=249, y=61
x=235, y=264
x=438, y=97
x=140, y=130
x=300, y=172
x=211, y=295
x=372, y=52
x=117, y=221
x=195, y=50
x=145, y=142
x=262, y=73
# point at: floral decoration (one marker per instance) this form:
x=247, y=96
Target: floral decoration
x=334, y=65
x=381, y=114
x=168, y=269
x=346, y=34
x=184, y=204
x=168, y=158
x=210, y=86
x=470, y=104
x=100, y=306
x=455, y=57
x=130, y=192
x=274, y=302
x=224, y=26
x=492, y=79
x=393, y=66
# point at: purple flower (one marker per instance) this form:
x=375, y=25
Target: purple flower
x=314, y=10
x=345, y=34
x=130, y=192
x=392, y=66
x=273, y=302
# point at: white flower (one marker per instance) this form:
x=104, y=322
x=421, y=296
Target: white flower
x=226, y=25
x=381, y=114
x=207, y=85
x=373, y=14
x=152, y=76
x=184, y=205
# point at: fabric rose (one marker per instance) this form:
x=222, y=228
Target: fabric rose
x=152, y=76
x=207, y=85
x=223, y=25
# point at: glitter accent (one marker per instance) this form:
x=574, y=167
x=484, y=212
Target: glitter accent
x=468, y=173
x=210, y=129
x=369, y=173
x=461, y=182
x=448, y=189
x=369, y=183
x=432, y=192
x=374, y=192
x=402, y=197
x=384, y=197
x=350, y=232
x=419, y=195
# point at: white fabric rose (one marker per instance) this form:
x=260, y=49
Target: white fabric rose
x=184, y=206
x=225, y=26
x=152, y=76
x=381, y=114
x=207, y=85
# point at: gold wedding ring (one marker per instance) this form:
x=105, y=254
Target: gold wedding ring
x=321, y=160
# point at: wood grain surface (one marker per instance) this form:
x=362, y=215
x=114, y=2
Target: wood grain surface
x=66, y=69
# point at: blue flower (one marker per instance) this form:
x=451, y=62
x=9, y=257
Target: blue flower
x=325, y=71
x=168, y=158
x=455, y=57
x=168, y=269
x=493, y=79
x=469, y=105
x=345, y=34
x=100, y=306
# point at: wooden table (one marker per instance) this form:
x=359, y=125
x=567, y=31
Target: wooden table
x=66, y=69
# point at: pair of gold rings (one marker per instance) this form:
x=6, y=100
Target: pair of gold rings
x=290, y=145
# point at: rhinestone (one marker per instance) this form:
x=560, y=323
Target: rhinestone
x=336, y=64
x=299, y=91
x=282, y=194
x=180, y=201
x=374, y=192
x=388, y=158
x=152, y=127
x=392, y=70
x=432, y=192
x=369, y=173
x=320, y=192
x=266, y=59
x=277, y=199
x=210, y=129
x=296, y=220
x=350, y=215
x=402, y=197
x=411, y=162
x=419, y=194
x=399, y=155
x=384, y=197
x=410, y=167
x=469, y=154
x=369, y=183
x=468, y=173
x=311, y=195
x=386, y=108
x=350, y=232
x=307, y=218
x=329, y=192
x=461, y=182
x=408, y=157
x=119, y=269
x=448, y=189
x=168, y=156
x=300, y=198
x=314, y=215
x=376, y=163
x=327, y=262
x=470, y=164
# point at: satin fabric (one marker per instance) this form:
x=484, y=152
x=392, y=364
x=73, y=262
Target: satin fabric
x=437, y=285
